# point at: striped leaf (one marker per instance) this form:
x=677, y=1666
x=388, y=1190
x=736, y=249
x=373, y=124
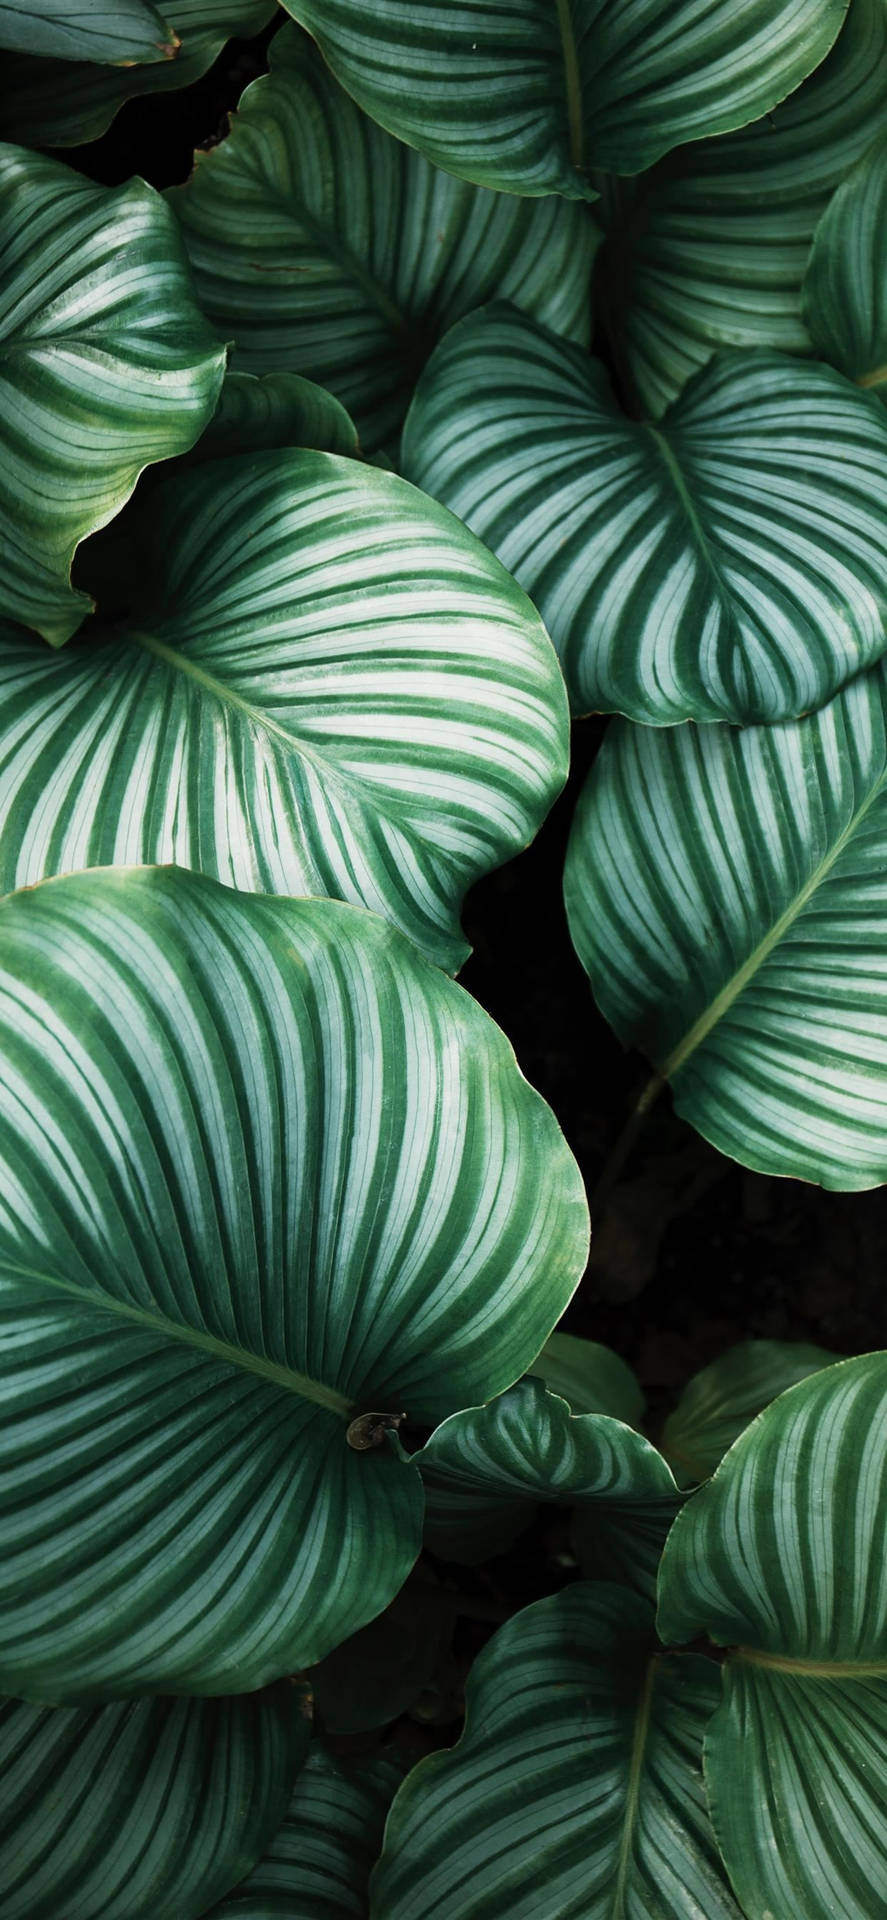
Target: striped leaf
x=725, y=893
x=591, y=1378
x=64, y=102
x=576, y=1788
x=105, y=365
x=130, y=30
x=709, y=250
x=486, y=1470
x=264, y=1172
x=319, y=1864
x=143, y=1809
x=845, y=292
x=720, y=1402
x=780, y=1558
x=527, y=96
x=730, y=564
x=322, y=245
x=325, y=686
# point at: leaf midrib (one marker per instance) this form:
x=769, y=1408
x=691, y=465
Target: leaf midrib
x=746, y=973
x=573, y=83
x=811, y=1669
x=298, y=1383
x=632, y=1791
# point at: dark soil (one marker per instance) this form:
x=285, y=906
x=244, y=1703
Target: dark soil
x=691, y=1252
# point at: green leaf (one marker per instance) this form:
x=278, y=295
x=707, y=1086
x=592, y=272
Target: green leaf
x=527, y=97
x=486, y=1470
x=143, y=1807
x=727, y=565
x=725, y=896
x=131, y=30
x=576, y=1788
x=255, y=415
x=322, y=245
x=325, y=686
x=845, y=292
x=105, y=365
x=780, y=1558
x=719, y=1403
x=591, y=1378
x=319, y=1865
x=380, y=1672
x=63, y=103
x=709, y=250
x=264, y=1170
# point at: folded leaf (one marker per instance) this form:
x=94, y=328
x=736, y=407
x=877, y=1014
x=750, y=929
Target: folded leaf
x=576, y=1788
x=845, y=292
x=725, y=893
x=730, y=564
x=527, y=96
x=325, y=685
x=709, y=250
x=721, y=1401
x=255, y=415
x=591, y=1378
x=780, y=1558
x=486, y=1470
x=131, y=30
x=319, y=1864
x=322, y=245
x=106, y=364
x=143, y=1809
x=64, y=102
x=269, y=1181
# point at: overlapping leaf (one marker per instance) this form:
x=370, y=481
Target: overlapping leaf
x=106, y=364
x=720, y=1402
x=845, y=292
x=264, y=1170
x=143, y=1809
x=321, y=245
x=319, y=1864
x=780, y=1558
x=709, y=250
x=325, y=686
x=730, y=565
x=258, y=413
x=591, y=1378
x=130, y=30
x=486, y=1470
x=63, y=102
x=726, y=895
x=577, y=1785
x=527, y=95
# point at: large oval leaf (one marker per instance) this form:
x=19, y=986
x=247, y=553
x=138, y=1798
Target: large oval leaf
x=105, y=365
x=141, y=1810
x=576, y=1787
x=322, y=245
x=526, y=95
x=845, y=292
x=318, y=1866
x=263, y=1170
x=709, y=250
x=486, y=1470
x=780, y=1558
x=728, y=565
x=131, y=31
x=325, y=686
x=62, y=103
x=721, y=1401
x=725, y=895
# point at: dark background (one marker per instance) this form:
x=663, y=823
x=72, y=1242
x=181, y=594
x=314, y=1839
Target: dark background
x=690, y=1252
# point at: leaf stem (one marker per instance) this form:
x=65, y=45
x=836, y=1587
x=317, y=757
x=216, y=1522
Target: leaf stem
x=617, y=1159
